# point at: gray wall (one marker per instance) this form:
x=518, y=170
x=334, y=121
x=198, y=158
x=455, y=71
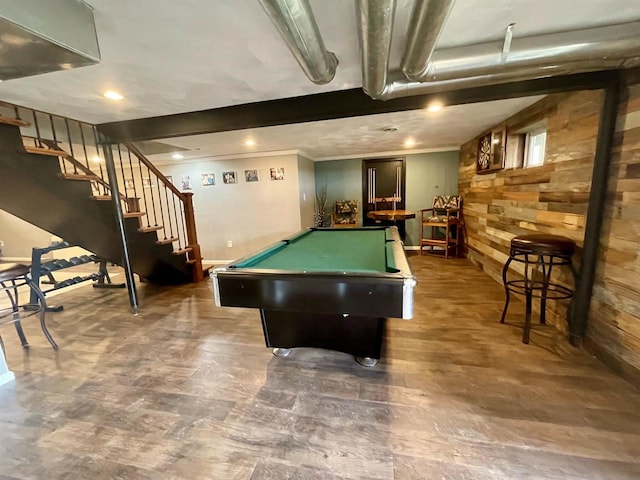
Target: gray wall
x=428, y=174
x=343, y=180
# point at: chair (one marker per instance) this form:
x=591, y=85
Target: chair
x=539, y=253
x=346, y=213
x=13, y=276
x=440, y=225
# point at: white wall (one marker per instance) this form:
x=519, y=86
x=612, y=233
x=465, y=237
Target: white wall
x=307, y=190
x=20, y=237
x=249, y=214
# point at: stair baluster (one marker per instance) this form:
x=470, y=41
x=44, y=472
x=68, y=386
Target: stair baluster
x=124, y=180
x=164, y=230
x=66, y=124
x=95, y=139
x=181, y=243
x=144, y=194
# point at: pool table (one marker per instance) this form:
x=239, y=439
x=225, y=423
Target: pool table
x=323, y=288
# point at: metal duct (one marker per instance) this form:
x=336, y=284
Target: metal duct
x=427, y=22
x=374, y=31
x=39, y=37
x=480, y=65
x=295, y=21
x=398, y=86
x=589, y=47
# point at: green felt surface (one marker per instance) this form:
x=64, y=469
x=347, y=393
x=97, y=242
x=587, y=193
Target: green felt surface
x=329, y=250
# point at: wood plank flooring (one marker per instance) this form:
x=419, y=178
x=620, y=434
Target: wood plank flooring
x=188, y=391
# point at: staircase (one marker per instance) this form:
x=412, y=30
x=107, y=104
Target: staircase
x=52, y=176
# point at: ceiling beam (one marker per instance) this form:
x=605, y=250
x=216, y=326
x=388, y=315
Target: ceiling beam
x=332, y=105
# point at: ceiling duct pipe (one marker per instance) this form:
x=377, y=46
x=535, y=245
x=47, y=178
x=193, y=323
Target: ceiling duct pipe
x=480, y=65
x=427, y=21
x=374, y=32
x=40, y=37
x=588, y=47
x=295, y=21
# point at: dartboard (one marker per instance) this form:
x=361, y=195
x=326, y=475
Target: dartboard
x=484, y=152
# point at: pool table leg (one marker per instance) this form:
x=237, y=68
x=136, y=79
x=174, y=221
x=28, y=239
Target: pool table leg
x=367, y=361
x=281, y=352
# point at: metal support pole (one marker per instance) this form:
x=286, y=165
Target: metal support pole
x=118, y=214
x=595, y=213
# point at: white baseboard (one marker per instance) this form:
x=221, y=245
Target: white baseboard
x=411, y=247
x=7, y=377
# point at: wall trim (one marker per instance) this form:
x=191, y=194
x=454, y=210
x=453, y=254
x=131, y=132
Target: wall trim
x=449, y=148
x=233, y=156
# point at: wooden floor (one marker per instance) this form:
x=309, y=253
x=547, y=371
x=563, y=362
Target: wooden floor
x=188, y=391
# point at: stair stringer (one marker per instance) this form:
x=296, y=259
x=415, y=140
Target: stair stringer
x=33, y=189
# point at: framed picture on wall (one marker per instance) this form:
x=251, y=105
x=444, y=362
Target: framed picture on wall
x=251, y=175
x=491, y=151
x=277, y=173
x=186, y=182
x=229, y=177
x=208, y=179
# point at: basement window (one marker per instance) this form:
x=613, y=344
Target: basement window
x=535, y=141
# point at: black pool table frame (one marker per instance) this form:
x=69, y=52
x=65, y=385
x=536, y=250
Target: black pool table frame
x=342, y=311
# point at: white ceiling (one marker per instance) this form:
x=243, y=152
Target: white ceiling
x=353, y=137
x=179, y=56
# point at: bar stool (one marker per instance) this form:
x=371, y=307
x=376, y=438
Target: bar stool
x=12, y=276
x=538, y=252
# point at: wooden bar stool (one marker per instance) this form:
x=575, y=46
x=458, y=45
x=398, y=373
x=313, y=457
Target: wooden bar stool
x=539, y=253
x=13, y=276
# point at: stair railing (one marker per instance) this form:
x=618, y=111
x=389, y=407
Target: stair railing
x=144, y=189
x=165, y=204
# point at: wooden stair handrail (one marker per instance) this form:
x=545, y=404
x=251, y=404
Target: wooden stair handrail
x=189, y=215
x=79, y=165
x=133, y=149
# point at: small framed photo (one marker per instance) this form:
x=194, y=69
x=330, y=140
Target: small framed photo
x=229, y=177
x=146, y=183
x=170, y=178
x=251, y=175
x=128, y=184
x=277, y=173
x=208, y=179
x=186, y=182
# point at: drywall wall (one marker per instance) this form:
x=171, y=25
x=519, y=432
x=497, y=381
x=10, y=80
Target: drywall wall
x=19, y=237
x=249, y=214
x=307, y=189
x=428, y=174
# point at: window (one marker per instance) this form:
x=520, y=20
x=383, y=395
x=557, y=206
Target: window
x=534, y=148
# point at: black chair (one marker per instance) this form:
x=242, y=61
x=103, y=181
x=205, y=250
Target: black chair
x=13, y=276
x=539, y=253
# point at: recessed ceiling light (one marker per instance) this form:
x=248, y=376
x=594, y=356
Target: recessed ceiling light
x=409, y=142
x=434, y=107
x=249, y=142
x=112, y=95
x=177, y=156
